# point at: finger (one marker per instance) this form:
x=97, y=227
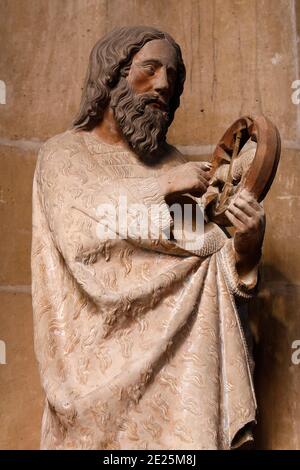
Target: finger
x=245, y=193
x=235, y=222
x=245, y=207
x=203, y=167
x=244, y=197
x=205, y=174
x=251, y=199
x=239, y=214
x=203, y=180
x=258, y=208
x=206, y=166
x=196, y=169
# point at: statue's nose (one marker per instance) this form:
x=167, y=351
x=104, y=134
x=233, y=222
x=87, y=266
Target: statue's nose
x=162, y=83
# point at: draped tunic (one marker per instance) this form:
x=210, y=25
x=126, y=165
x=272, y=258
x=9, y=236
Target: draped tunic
x=138, y=340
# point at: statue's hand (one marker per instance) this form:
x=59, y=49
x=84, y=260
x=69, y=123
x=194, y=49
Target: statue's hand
x=248, y=217
x=191, y=177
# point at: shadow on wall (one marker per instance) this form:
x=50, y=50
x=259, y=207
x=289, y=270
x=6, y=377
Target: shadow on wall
x=274, y=325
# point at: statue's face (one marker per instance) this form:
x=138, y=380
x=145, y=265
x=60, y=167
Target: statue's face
x=153, y=70
x=140, y=101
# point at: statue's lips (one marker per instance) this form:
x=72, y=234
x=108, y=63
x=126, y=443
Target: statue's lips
x=159, y=104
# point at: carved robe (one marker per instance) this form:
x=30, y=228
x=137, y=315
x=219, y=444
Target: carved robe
x=139, y=341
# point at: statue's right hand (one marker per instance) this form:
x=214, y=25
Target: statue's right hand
x=191, y=177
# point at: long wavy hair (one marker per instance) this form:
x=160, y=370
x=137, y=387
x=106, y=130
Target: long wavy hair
x=110, y=59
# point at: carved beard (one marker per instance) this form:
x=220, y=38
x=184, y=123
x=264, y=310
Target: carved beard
x=143, y=127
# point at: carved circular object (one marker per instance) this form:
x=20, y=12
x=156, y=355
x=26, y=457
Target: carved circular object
x=234, y=169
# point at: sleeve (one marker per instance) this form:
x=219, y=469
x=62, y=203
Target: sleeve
x=241, y=287
x=147, y=191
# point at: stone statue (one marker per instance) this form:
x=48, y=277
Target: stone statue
x=138, y=338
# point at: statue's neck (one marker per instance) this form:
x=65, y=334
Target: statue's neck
x=108, y=130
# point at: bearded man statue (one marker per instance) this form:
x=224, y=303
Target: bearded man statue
x=138, y=338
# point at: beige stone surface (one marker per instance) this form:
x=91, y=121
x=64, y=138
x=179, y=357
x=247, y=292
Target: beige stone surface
x=275, y=315
x=276, y=323
x=44, y=50
x=238, y=54
x=20, y=391
x=16, y=173
x=282, y=205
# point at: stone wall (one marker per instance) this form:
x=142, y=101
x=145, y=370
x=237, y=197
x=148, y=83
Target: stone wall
x=242, y=57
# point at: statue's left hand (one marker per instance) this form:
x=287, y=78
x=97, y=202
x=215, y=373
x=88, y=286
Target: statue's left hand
x=248, y=217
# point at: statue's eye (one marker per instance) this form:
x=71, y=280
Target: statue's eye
x=149, y=69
